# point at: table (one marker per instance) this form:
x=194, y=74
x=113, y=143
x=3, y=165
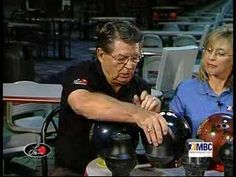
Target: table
x=32, y=92
x=146, y=51
x=228, y=20
x=18, y=30
x=170, y=34
x=22, y=25
x=187, y=23
x=195, y=18
x=62, y=22
x=94, y=19
x=93, y=169
x=165, y=8
x=28, y=92
x=57, y=27
x=173, y=33
x=202, y=13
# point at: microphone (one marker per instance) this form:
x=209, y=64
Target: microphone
x=219, y=103
x=193, y=162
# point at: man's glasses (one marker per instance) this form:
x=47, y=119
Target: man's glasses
x=218, y=53
x=122, y=59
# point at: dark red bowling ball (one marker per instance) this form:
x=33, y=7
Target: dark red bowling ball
x=217, y=128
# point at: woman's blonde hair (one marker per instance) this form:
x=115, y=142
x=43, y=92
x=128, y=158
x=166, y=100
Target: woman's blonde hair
x=223, y=32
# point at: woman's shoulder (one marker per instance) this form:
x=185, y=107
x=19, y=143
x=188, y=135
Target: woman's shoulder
x=189, y=83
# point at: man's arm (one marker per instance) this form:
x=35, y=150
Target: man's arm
x=99, y=106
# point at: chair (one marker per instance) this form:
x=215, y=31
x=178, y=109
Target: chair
x=150, y=69
x=18, y=15
x=196, y=27
x=218, y=20
x=209, y=18
x=152, y=41
x=61, y=31
x=13, y=145
x=183, y=40
x=202, y=39
x=151, y=44
x=26, y=117
x=46, y=135
x=184, y=19
x=34, y=32
x=169, y=27
x=17, y=59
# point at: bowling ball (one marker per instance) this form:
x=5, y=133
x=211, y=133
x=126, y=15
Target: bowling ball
x=226, y=153
x=173, y=143
x=173, y=15
x=121, y=157
x=102, y=133
x=217, y=128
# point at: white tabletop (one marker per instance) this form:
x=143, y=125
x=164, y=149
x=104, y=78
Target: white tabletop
x=32, y=92
x=93, y=169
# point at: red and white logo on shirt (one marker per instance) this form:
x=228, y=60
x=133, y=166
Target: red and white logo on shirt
x=80, y=81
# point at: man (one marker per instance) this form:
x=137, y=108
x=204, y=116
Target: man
x=106, y=90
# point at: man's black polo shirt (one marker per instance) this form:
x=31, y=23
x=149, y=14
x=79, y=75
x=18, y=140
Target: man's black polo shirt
x=73, y=149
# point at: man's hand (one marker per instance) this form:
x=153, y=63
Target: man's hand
x=148, y=102
x=154, y=125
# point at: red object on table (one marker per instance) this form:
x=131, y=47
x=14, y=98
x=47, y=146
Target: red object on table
x=217, y=128
x=218, y=166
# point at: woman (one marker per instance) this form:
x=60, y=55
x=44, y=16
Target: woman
x=211, y=90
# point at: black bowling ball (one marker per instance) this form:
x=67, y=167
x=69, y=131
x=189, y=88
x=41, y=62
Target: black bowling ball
x=102, y=133
x=173, y=143
x=226, y=157
x=121, y=157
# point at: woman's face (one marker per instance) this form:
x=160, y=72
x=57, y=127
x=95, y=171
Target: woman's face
x=218, y=59
x=120, y=65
